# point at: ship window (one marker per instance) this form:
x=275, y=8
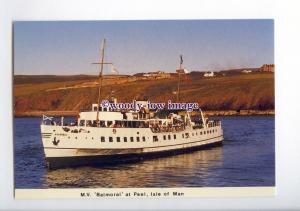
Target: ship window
x=92, y=138
x=144, y=139
x=174, y=136
x=182, y=135
x=102, y=123
x=200, y=133
x=196, y=133
x=155, y=138
x=125, y=139
x=110, y=139
x=192, y=134
x=68, y=137
x=169, y=137
x=131, y=139
x=94, y=124
x=138, y=139
x=118, y=139
x=109, y=123
x=164, y=137
x=204, y=132
x=81, y=123
x=76, y=137
x=102, y=139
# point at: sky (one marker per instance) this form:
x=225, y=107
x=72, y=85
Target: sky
x=69, y=47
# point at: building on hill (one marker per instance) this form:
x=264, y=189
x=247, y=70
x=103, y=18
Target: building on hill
x=182, y=71
x=267, y=68
x=246, y=71
x=209, y=74
x=157, y=74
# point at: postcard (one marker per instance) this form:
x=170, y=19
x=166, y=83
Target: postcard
x=144, y=108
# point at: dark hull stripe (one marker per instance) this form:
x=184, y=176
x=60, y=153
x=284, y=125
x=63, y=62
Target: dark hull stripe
x=139, y=148
x=104, y=160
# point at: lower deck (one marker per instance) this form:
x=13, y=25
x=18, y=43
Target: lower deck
x=104, y=160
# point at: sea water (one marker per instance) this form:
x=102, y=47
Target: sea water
x=247, y=158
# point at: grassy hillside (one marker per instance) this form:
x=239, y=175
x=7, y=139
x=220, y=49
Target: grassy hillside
x=230, y=92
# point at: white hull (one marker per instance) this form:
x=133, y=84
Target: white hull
x=87, y=143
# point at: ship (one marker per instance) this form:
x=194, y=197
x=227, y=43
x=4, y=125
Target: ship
x=107, y=135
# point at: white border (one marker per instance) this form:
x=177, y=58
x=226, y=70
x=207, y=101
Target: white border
x=286, y=14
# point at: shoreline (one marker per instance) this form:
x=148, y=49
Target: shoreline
x=208, y=113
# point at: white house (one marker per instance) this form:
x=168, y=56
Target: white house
x=209, y=74
x=182, y=71
x=157, y=74
x=246, y=71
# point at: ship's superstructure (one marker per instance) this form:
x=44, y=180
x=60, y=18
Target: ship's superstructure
x=105, y=134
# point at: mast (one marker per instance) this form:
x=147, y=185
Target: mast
x=179, y=73
x=101, y=79
x=178, y=87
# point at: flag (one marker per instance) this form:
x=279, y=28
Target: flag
x=47, y=118
x=181, y=59
x=114, y=70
